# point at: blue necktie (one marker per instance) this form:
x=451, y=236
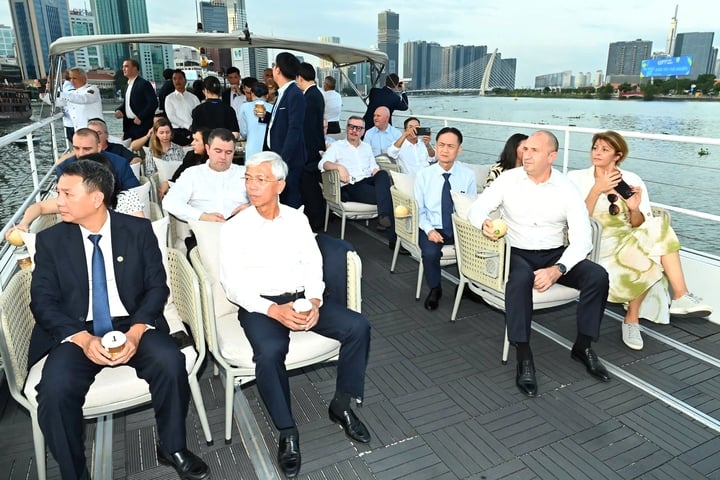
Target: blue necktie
x=102, y=322
x=446, y=206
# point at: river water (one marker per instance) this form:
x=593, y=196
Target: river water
x=675, y=174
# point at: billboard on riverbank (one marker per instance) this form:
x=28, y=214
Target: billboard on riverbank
x=666, y=67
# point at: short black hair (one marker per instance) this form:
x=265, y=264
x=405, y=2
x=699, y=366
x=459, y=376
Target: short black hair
x=133, y=62
x=232, y=70
x=249, y=82
x=392, y=80
x=452, y=130
x=96, y=176
x=168, y=73
x=212, y=85
x=288, y=65
x=222, y=133
x=179, y=72
x=307, y=72
x=408, y=120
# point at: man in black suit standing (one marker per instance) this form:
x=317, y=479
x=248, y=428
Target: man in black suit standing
x=314, y=143
x=386, y=96
x=140, y=102
x=78, y=294
x=285, y=133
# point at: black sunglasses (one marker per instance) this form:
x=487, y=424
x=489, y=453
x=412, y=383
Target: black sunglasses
x=613, y=209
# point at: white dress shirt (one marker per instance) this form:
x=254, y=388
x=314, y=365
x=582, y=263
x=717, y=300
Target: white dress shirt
x=128, y=111
x=411, y=157
x=333, y=105
x=82, y=104
x=269, y=257
x=536, y=214
x=428, y=191
x=201, y=189
x=359, y=161
x=179, y=107
x=585, y=179
x=381, y=140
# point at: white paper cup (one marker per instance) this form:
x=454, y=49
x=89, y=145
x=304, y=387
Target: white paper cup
x=302, y=306
x=113, y=342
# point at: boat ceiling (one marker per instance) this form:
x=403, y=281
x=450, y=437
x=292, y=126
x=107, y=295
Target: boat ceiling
x=340, y=55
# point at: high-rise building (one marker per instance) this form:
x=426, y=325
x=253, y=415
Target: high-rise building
x=597, y=80
x=463, y=65
x=237, y=15
x=625, y=59
x=670, y=42
x=389, y=38
x=699, y=45
x=555, y=80
x=327, y=39
x=214, y=18
x=83, y=23
x=422, y=62
x=117, y=17
x=37, y=24
x=7, y=42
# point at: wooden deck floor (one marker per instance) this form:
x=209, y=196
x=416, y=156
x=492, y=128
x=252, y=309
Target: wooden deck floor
x=440, y=405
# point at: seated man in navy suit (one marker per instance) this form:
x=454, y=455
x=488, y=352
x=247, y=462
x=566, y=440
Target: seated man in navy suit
x=78, y=294
x=266, y=273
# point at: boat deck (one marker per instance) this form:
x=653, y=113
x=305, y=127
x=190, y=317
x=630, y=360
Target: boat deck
x=440, y=405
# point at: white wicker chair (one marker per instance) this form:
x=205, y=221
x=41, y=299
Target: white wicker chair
x=484, y=266
x=387, y=163
x=114, y=389
x=344, y=210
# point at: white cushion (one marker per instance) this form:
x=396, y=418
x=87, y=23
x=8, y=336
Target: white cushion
x=135, y=167
x=481, y=173
x=166, y=168
x=404, y=183
x=143, y=193
x=462, y=203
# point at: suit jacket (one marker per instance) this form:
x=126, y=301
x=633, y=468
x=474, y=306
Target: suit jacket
x=143, y=103
x=60, y=294
x=314, y=136
x=384, y=97
x=125, y=175
x=287, y=133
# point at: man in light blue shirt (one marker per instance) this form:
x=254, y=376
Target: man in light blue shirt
x=432, y=192
x=382, y=135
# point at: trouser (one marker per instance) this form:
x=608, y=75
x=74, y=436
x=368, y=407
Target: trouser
x=588, y=277
x=333, y=127
x=270, y=340
x=66, y=379
x=291, y=195
x=182, y=136
x=312, y=197
x=374, y=190
x=431, y=255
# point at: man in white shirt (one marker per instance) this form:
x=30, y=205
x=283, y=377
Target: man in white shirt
x=80, y=101
x=178, y=107
x=362, y=179
x=537, y=202
x=432, y=193
x=382, y=135
x=140, y=102
x=270, y=260
x=213, y=191
x=333, y=105
x=409, y=153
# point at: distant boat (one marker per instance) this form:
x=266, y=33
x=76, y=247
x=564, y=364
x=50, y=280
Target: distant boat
x=14, y=104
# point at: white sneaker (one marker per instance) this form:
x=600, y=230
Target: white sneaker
x=690, y=305
x=631, y=336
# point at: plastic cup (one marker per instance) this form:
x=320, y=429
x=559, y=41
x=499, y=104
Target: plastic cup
x=259, y=109
x=302, y=306
x=113, y=342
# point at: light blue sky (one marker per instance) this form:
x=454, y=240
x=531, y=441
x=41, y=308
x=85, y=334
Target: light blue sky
x=546, y=37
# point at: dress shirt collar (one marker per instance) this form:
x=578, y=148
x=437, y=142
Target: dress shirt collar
x=104, y=230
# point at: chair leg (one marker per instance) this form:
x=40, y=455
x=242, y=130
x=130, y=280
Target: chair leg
x=39, y=445
x=458, y=297
x=421, y=270
x=396, y=252
x=506, y=348
x=327, y=216
x=200, y=407
x=342, y=228
x=229, y=393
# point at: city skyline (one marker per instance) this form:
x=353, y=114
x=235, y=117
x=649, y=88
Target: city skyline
x=547, y=37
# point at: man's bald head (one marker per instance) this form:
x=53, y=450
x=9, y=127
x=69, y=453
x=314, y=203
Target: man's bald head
x=381, y=117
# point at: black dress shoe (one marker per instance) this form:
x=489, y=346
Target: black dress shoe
x=188, y=465
x=352, y=425
x=592, y=363
x=289, y=455
x=525, y=378
x=433, y=299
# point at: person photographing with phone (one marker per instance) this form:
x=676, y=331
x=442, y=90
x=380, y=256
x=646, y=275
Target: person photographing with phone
x=412, y=150
x=636, y=247
x=392, y=96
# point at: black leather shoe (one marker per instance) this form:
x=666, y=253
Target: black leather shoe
x=592, y=363
x=403, y=250
x=433, y=299
x=352, y=425
x=289, y=455
x=188, y=465
x=525, y=378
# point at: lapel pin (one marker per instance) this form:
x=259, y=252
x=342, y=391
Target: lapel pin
x=120, y=259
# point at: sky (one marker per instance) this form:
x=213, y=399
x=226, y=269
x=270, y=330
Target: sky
x=545, y=37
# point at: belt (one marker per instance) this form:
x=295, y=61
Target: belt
x=284, y=297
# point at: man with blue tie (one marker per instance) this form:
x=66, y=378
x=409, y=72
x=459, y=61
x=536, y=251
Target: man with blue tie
x=432, y=193
x=100, y=271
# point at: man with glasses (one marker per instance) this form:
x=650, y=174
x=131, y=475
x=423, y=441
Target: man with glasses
x=362, y=179
x=285, y=265
x=537, y=203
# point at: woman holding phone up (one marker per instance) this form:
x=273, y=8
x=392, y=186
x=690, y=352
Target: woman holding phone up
x=636, y=248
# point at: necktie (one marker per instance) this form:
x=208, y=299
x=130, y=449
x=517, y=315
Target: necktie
x=446, y=205
x=102, y=322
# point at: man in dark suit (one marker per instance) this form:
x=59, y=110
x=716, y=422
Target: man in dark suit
x=285, y=133
x=140, y=102
x=386, y=96
x=232, y=75
x=310, y=189
x=128, y=294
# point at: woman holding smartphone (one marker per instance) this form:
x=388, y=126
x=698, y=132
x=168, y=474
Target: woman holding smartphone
x=636, y=248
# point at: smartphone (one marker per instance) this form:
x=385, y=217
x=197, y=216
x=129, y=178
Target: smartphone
x=624, y=189
x=422, y=131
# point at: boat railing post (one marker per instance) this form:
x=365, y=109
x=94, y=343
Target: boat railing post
x=53, y=137
x=566, y=151
x=33, y=164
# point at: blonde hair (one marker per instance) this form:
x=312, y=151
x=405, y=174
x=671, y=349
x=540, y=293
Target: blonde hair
x=155, y=146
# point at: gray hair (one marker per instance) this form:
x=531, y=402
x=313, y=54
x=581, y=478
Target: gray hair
x=277, y=165
x=79, y=71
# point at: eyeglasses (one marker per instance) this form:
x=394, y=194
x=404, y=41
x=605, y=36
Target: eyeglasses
x=260, y=181
x=614, y=209
x=356, y=127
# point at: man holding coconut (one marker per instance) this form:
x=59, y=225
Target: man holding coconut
x=537, y=203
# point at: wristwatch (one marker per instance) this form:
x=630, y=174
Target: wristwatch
x=562, y=268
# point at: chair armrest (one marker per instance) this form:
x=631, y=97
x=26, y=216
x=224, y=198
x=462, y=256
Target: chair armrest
x=354, y=281
x=206, y=300
x=331, y=186
x=406, y=227
x=480, y=259
x=185, y=288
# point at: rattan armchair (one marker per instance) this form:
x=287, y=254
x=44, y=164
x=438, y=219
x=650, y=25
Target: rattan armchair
x=345, y=210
